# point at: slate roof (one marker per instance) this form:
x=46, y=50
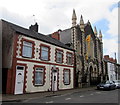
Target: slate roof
x=65, y=36
x=37, y=35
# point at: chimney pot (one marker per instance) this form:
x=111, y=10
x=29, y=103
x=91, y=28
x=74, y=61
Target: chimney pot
x=34, y=27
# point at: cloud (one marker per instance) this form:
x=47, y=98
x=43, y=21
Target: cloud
x=111, y=36
x=55, y=14
x=16, y=18
x=113, y=22
x=52, y=15
x=110, y=47
x=119, y=52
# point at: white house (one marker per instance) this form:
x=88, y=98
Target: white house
x=111, y=71
x=33, y=62
x=110, y=68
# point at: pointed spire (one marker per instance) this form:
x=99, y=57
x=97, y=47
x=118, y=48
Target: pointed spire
x=74, y=18
x=95, y=31
x=81, y=20
x=74, y=14
x=81, y=23
x=100, y=35
x=88, y=22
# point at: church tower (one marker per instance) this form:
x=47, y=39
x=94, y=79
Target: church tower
x=100, y=35
x=95, y=31
x=82, y=26
x=82, y=23
x=74, y=18
x=74, y=31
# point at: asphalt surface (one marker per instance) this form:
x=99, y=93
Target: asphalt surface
x=91, y=96
x=20, y=97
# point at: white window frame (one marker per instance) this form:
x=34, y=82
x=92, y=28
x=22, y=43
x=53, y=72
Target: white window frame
x=45, y=50
x=68, y=81
x=69, y=58
x=40, y=70
x=58, y=58
x=28, y=45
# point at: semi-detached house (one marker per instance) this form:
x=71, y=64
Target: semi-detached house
x=33, y=62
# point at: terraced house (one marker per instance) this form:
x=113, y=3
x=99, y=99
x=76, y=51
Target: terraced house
x=33, y=62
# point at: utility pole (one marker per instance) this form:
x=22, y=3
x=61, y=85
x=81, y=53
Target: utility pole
x=116, y=66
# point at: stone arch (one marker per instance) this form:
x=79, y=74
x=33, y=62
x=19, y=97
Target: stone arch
x=90, y=67
x=96, y=77
x=90, y=70
x=95, y=71
x=90, y=64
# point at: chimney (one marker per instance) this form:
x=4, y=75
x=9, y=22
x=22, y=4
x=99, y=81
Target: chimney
x=56, y=35
x=111, y=59
x=34, y=27
x=106, y=57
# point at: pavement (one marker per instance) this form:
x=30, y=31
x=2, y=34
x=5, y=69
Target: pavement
x=22, y=97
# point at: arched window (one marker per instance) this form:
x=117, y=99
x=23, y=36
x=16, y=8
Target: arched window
x=89, y=46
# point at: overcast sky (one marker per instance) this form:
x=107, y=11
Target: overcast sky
x=52, y=15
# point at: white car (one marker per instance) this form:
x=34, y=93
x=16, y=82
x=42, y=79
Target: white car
x=117, y=83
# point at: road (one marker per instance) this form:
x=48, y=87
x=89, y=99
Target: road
x=92, y=96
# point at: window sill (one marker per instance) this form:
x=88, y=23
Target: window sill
x=59, y=62
x=36, y=85
x=44, y=60
x=70, y=64
x=66, y=84
x=27, y=57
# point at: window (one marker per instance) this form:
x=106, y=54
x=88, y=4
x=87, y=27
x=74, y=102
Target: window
x=44, y=53
x=27, y=49
x=89, y=47
x=39, y=76
x=59, y=56
x=69, y=58
x=66, y=77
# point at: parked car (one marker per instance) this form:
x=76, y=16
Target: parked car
x=117, y=83
x=106, y=85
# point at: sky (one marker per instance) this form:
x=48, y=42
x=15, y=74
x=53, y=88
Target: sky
x=52, y=15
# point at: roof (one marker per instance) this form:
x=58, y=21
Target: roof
x=65, y=36
x=108, y=61
x=37, y=35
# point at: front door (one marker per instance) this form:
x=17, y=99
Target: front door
x=19, y=80
x=54, y=81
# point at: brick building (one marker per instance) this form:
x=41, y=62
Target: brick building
x=33, y=62
x=88, y=47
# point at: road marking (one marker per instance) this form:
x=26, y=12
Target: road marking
x=56, y=96
x=81, y=96
x=98, y=92
x=65, y=94
x=50, y=102
x=67, y=98
x=91, y=94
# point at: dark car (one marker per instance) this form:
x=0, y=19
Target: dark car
x=106, y=85
x=117, y=83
